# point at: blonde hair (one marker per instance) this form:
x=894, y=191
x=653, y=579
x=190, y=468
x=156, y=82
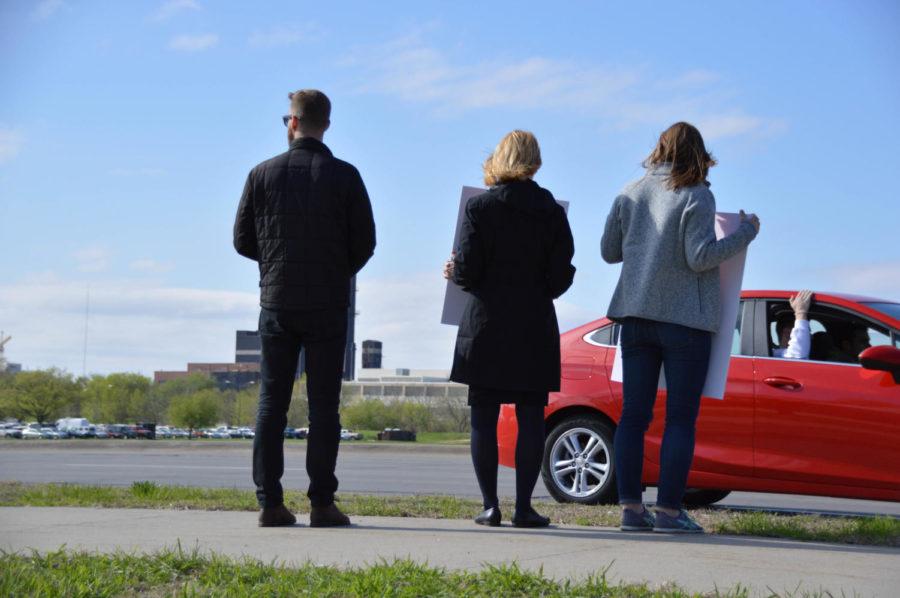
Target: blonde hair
x=516, y=157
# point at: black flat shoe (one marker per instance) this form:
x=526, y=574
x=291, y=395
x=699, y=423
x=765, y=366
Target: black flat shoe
x=530, y=519
x=489, y=517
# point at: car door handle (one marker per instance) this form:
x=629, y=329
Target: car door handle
x=781, y=382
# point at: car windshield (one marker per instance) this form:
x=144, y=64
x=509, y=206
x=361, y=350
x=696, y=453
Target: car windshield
x=891, y=309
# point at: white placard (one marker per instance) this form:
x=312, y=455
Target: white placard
x=731, y=275
x=454, y=297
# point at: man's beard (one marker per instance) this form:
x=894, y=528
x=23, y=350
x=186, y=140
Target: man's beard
x=289, y=137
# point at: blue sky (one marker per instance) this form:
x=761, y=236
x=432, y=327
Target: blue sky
x=127, y=129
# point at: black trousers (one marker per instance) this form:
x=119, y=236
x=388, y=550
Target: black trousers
x=323, y=333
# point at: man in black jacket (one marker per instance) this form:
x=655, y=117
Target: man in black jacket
x=305, y=217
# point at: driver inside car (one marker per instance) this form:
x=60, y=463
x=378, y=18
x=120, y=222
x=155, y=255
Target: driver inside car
x=793, y=329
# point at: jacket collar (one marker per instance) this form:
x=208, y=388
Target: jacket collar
x=310, y=143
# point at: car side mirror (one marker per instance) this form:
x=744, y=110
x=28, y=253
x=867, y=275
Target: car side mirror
x=882, y=357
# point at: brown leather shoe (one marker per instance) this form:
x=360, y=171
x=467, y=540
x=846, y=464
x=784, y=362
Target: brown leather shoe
x=329, y=516
x=276, y=516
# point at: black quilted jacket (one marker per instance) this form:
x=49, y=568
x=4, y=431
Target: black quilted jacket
x=305, y=217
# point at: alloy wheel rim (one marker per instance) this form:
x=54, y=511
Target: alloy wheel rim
x=580, y=462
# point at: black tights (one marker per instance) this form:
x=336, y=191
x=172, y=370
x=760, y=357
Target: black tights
x=529, y=451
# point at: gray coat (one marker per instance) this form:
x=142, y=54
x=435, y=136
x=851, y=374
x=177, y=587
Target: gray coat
x=670, y=257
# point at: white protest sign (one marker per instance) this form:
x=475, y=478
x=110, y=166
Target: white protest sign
x=731, y=275
x=454, y=297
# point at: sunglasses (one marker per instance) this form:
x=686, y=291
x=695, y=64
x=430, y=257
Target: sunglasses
x=287, y=118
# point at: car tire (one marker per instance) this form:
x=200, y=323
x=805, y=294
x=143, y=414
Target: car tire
x=696, y=497
x=587, y=432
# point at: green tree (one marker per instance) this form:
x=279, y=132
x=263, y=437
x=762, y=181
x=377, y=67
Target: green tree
x=161, y=395
x=245, y=403
x=117, y=397
x=197, y=410
x=42, y=395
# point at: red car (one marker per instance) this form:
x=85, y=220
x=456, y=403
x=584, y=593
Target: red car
x=828, y=425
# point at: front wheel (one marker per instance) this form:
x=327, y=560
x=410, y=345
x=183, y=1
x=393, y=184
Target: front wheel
x=578, y=463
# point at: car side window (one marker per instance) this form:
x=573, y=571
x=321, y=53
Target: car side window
x=835, y=335
x=602, y=336
x=736, y=337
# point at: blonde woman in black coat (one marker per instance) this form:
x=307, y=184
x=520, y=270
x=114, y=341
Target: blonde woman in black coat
x=514, y=258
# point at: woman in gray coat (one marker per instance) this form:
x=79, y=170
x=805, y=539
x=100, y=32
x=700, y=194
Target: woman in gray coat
x=661, y=228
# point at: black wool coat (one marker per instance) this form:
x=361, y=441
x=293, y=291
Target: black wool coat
x=514, y=258
x=305, y=217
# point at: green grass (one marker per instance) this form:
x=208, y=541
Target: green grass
x=180, y=573
x=878, y=531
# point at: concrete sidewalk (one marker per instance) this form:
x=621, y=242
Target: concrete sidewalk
x=696, y=563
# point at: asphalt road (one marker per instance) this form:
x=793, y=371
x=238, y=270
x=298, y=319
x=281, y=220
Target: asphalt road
x=364, y=468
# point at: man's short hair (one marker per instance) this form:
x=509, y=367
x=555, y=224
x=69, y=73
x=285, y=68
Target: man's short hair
x=784, y=320
x=311, y=106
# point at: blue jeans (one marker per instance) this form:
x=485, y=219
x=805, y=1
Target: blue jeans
x=648, y=345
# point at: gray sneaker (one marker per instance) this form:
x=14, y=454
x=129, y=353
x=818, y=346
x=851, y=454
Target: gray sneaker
x=682, y=524
x=637, y=522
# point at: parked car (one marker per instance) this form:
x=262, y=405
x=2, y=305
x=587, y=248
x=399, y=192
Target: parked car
x=179, y=433
x=396, y=434
x=295, y=433
x=83, y=432
x=218, y=433
x=49, y=433
x=100, y=431
x=163, y=432
x=31, y=433
x=145, y=431
x=349, y=435
x=119, y=431
x=246, y=433
x=825, y=426
x=11, y=431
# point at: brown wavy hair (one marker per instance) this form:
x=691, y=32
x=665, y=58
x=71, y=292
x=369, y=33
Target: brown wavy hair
x=681, y=145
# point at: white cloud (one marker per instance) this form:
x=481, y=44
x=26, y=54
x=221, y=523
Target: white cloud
x=11, y=141
x=95, y=258
x=132, y=326
x=172, y=7
x=283, y=36
x=414, y=71
x=135, y=325
x=151, y=266
x=193, y=43
x=46, y=9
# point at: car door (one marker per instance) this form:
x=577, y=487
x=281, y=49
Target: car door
x=826, y=420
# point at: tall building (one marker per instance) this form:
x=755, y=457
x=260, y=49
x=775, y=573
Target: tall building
x=350, y=349
x=247, y=347
x=371, y=355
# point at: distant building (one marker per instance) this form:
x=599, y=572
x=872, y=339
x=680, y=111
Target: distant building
x=228, y=376
x=350, y=349
x=371, y=355
x=247, y=347
x=403, y=375
x=13, y=368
